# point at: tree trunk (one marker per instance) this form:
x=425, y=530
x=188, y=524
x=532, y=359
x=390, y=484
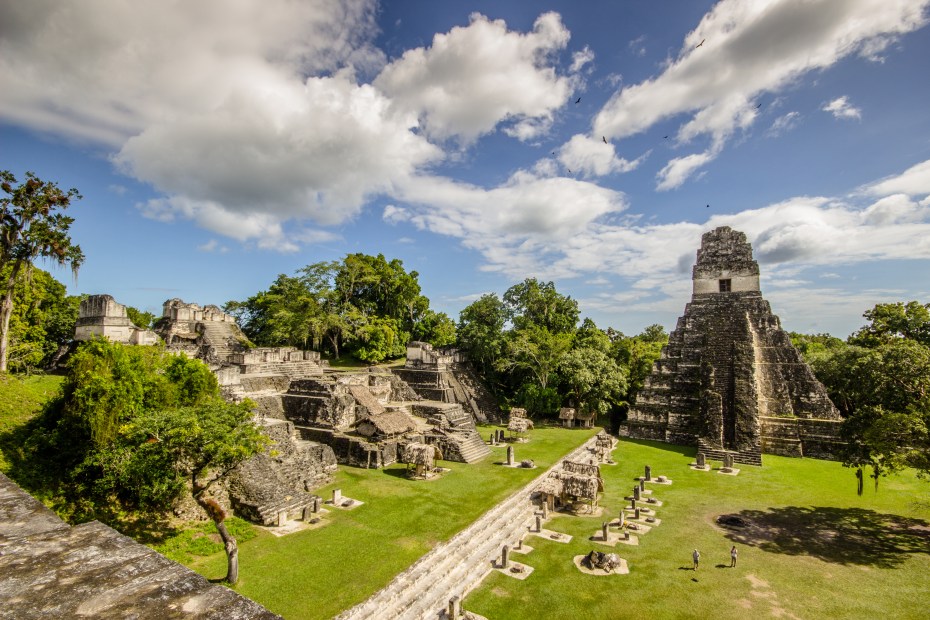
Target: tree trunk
x=6, y=311
x=232, y=553
x=218, y=515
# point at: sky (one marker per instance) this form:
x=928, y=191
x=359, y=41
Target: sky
x=218, y=144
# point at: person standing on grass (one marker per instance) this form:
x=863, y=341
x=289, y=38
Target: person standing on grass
x=696, y=556
x=733, y=553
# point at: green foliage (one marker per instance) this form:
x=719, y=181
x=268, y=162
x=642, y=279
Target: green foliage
x=435, y=328
x=888, y=322
x=145, y=320
x=113, y=438
x=364, y=304
x=481, y=333
x=637, y=355
x=378, y=340
x=593, y=379
x=535, y=351
x=41, y=320
x=537, y=304
x=880, y=382
x=31, y=227
x=539, y=401
x=154, y=454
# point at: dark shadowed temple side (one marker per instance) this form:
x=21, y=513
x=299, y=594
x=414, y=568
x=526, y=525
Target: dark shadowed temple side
x=729, y=380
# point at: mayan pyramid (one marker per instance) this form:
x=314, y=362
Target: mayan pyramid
x=729, y=380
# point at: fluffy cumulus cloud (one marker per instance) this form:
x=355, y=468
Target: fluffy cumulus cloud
x=593, y=157
x=841, y=108
x=741, y=49
x=473, y=77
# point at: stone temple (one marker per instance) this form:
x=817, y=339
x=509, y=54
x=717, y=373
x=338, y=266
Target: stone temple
x=729, y=380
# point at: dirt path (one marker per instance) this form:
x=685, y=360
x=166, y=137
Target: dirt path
x=456, y=567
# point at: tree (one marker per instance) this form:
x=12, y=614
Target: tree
x=42, y=320
x=145, y=320
x=593, y=379
x=31, y=228
x=537, y=351
x=202, y=443
x=480, y=333
x=532, y=303
x=131, y=425
x=888, y=322
x=435, y=328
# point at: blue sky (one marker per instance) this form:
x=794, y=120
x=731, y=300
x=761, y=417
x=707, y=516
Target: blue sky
x=218, y=145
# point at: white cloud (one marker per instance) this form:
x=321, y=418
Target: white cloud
x=103, y=70
x=283, y=154
x=593, y=157
x=783, y=124
x=638, y=46
x=750, y=47
x=679, y=169
x=212, y=246
x=915, y=181
x=581, y=58
x=841, y=108
x=472, y=78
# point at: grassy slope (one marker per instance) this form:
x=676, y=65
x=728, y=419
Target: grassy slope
x=828, y=553
x=318, y=573
x=21, y=398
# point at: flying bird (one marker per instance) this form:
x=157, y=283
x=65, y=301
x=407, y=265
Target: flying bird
x=758, y=106
x=604, y=139
x=700, y=44
x=708, y=206
x=665, y=137
x=578, y=100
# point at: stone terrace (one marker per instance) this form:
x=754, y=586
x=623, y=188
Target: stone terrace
x=49, y=569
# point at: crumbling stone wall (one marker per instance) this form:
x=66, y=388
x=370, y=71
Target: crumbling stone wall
x=728, y=366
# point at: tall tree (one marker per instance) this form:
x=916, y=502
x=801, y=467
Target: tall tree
x=534, y=303
x=31, y=227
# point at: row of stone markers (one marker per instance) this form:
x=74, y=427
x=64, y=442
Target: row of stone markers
x=700, y=464
x=436, y=583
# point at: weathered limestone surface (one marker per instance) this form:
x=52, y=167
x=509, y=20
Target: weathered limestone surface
x=729, y=379
x=444, y=375
x=49, y=569
x=102, y=316
x=280, y=479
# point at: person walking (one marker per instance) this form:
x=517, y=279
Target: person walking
x=733, y=553
x=696, y=557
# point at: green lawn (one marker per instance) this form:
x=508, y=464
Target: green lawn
x=318, y=573
x=21, y=398
x=819, y=551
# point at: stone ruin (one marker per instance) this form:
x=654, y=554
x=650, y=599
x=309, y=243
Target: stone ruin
x=100, y=316
x=444, y=375
x=729, y=380
x=317, y=416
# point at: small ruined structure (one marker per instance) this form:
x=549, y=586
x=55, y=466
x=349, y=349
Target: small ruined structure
x=100, y=316
x=729, y=380
x=518, y=423
x=572, y=417
x=49, y=569
x=386, y=426
x=276, y=485
x=575, y=482
x=421, y=457
x=608, y=562
x=444, y=375
x=206, y=333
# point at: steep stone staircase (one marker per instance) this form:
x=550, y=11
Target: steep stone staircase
x=223, y=338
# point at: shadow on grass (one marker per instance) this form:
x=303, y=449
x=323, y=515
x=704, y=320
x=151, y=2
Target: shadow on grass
x=837, y=535
x=661, y=445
